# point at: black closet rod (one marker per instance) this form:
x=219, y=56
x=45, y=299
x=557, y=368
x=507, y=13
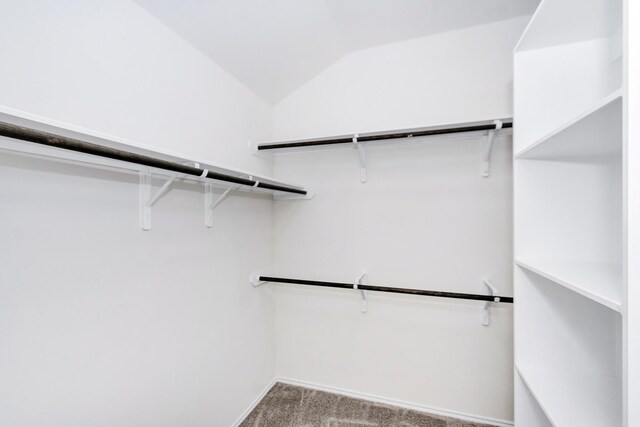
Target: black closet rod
x=52, y=140
x=383, y=136
x=441, y=294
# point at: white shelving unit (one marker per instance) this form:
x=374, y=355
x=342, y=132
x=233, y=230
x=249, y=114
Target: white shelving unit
x=571, y=199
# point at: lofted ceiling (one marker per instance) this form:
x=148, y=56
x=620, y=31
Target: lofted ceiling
x=275, y=46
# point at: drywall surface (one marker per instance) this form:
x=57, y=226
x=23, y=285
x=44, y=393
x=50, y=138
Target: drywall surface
x=425, y=219
x=448, y=77
x=111, y=67
x=102, y=323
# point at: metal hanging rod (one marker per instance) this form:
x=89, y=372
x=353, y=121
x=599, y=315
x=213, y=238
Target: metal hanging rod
x=440, y=294
x=379, y=136
x=57, y=141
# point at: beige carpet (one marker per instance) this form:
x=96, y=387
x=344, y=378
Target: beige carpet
x=291, y=406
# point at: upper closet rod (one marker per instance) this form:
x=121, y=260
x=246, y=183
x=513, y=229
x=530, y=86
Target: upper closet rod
x=506, y=123
x=49, y=139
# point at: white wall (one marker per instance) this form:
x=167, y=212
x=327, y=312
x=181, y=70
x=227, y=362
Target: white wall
x=425, y=219
x=448, y=77
x=103, y=324
x=100, y=322
x=113, y=68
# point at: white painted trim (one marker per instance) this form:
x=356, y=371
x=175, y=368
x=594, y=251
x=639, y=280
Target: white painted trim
x=400, y=403
x=255, y=402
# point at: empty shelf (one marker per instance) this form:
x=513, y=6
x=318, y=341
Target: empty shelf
x=598, y=281
x=572, y=399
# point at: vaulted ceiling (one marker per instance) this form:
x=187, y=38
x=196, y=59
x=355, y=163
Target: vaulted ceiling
x=275, y=46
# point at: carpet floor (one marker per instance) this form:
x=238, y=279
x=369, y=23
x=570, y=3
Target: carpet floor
x=292, y=406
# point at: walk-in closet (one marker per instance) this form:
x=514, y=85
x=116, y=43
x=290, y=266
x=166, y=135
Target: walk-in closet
x=283, y=213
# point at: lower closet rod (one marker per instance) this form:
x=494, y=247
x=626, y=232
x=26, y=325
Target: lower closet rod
x=441, y=294
x=52, y=140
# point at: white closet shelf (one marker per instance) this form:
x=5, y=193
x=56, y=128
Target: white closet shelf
x=26, y=134
x=598, y=281
x=596, y=132
x=548, y=25
x=571, y=399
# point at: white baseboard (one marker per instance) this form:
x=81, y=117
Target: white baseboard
x=257, y=400
x=378, y=399
x=400, y=403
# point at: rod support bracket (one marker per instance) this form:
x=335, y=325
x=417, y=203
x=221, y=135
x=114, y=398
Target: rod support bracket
x=486, y=315
x=487, y=147
x=262, y=154
x=288, y=196
x=210, y=202
x=363, y=294
x=254, y=278
x=363, y=158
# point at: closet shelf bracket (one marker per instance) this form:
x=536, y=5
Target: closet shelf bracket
x=363, y=158
x=210, y=203
x=487, y=146
x=363, y=294
x=162, y=191
x=486, y=316
x=145, y=200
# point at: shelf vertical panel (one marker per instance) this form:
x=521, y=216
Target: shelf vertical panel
x=631, y=306
x=569, y=206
